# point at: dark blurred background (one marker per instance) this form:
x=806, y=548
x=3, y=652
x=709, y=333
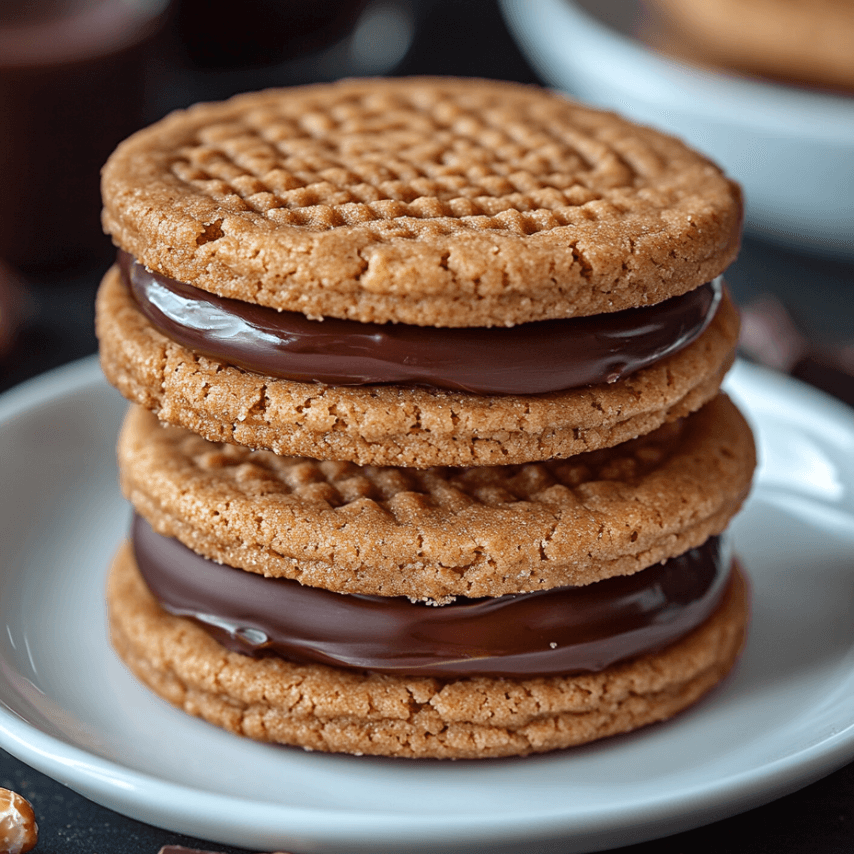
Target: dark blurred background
x=77, y=76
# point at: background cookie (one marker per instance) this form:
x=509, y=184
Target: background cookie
x=443, y=532
x=427, y=201
x=796, y=40
x=330, y=709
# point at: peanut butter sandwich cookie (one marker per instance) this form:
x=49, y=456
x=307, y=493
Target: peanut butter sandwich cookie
x=441, y=613
x=415, y=272
x=430, y=458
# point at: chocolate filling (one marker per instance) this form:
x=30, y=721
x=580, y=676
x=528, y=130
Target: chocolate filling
x=549, y=632
x=531, y=358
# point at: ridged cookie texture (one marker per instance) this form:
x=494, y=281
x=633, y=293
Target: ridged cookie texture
x=438, y=202
x=397, y=425
x=331, y=709
x=443, y=532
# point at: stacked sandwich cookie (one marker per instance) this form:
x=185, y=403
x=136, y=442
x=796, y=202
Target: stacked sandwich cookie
x=428, y=455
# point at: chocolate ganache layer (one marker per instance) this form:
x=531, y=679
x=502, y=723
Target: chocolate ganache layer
x=549, y=632
x=532, y=358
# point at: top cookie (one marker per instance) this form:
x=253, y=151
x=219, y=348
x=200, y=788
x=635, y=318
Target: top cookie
x=434, y=202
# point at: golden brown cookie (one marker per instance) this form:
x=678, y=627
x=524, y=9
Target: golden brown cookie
x=443, y=532
x=397, y=425
x=809, y=41
x=421, y=205
x=336, y=710
x=438, y=202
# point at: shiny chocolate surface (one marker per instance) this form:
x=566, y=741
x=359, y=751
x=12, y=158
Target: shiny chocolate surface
x=532, y=358
x=565, y=630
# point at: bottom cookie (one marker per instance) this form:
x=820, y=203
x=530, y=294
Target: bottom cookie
x=343, y=711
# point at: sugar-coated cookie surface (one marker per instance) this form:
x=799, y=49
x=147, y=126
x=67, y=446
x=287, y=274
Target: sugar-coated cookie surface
x=397, y=425
x=330, y=709
x=443, y=532
x=433, y=201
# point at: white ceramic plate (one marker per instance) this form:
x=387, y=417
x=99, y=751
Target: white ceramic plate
x=67, y=706
x=791, y=148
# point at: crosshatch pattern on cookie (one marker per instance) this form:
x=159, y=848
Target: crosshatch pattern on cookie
x=357, y=163
x=464, y=169
x=442, y=532
x=335, y=484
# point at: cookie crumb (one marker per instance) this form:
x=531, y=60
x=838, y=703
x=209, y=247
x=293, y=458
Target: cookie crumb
x=438, y=602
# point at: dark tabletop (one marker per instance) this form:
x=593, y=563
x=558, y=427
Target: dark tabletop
x=460, y=37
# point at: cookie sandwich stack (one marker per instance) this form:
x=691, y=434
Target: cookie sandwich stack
x=428, y=456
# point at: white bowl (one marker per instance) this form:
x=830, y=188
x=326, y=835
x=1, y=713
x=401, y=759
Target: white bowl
x=791, y=149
